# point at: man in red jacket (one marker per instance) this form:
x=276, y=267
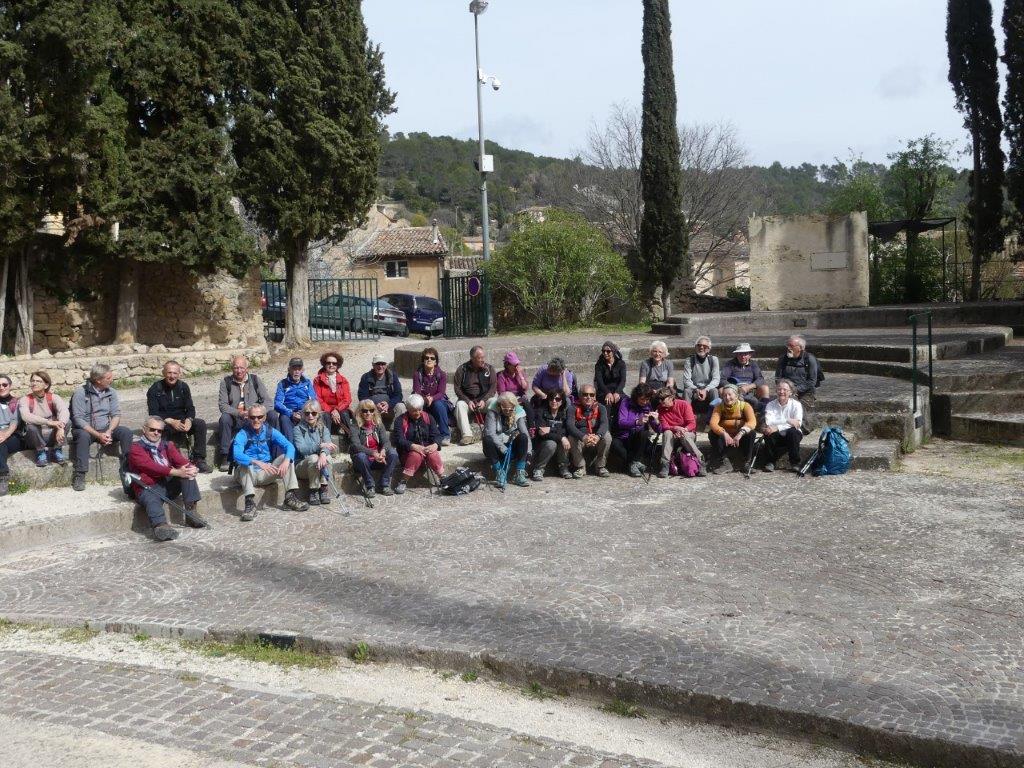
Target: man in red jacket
x=162, y=470
x=678, y=427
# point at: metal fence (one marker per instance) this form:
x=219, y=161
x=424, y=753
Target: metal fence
x=339, y=309
x=466, y=302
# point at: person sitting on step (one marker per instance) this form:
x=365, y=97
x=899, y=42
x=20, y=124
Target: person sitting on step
x=10, y=440
x=551, y=436
x=237, y=394
x=511, y=378
x=678, y=427
x=293, y=392
x=801, y=368
x=96, y=418
x=700, y=380
x=506, y=439
x=418, y=440
x=383, y=386
x=610, y=380
x=46, y=417
x=589, y=434
x=171, y=400
x=732, y=426
x=334, y=394
x=371, y=449
x=637, y=423
x=657, y=370
x=554, y=377
x=475, y=384
x=782, y=430
x=253, y=465
x=313, y=449
x=430, y=382
x=163, y=472
x=742, y=371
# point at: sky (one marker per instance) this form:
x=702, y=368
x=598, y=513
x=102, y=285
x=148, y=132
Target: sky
x=801, y=80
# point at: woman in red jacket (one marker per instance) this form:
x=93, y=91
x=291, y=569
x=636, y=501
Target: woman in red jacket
x=333, y=392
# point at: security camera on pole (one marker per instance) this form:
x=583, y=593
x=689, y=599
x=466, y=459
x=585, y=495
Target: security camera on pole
x=484, y=163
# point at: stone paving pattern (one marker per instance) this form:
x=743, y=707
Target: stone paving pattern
x=207, y=715
x=885, y=601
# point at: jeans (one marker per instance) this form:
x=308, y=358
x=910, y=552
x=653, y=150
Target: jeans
x=83, y=440
x=439, y=412
x=787, y=442
x=172, y=488
x=365, y=466
x=198, y=435
x=11, y=445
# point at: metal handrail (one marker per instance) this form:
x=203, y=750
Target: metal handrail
x=913, y=356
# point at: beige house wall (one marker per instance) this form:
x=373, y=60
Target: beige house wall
x=422, y=279
x=808, y=262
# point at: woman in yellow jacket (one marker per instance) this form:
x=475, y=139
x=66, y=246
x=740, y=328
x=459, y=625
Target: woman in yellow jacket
x=732, y=426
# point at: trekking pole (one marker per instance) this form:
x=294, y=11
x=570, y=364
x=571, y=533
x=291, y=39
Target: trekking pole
x=755, y=449
x=807, y=464
x=337, y=494
x=201, y=522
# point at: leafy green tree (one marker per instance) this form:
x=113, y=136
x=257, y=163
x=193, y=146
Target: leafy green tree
x=308, y=100
x=975, y=79
x=661, y=260
x=561, y=270
x=1013, y=107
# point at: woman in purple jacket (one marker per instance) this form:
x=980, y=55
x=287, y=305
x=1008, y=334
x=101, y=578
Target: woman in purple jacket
x=638, y=420
x=431, y=383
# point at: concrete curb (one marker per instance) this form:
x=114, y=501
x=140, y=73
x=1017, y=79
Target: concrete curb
x=930, y=752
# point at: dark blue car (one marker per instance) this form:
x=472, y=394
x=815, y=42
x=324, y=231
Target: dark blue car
x=423, y=314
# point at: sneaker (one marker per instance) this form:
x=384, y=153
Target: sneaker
x=724, y=468
x=565, y=473
x=387, y=490
x=368, y=490
x=537, y=476
x=400, y=488
x=467, y=440
x=769, y=467
x=325, y=497
x=164, y=532
x=663, y=472
x=42, y=459
x=4, y=485
x=202, y=466
x=224, y=466
x=294, y=503
x=702, y=469
x=193, y=519
x=519, y=478
x=445, y=441
x=58, y=457
x=602, y=472
x=636, y=469
x=313, y=497
x=250, y=512
x=78, y=481
x=580, y=473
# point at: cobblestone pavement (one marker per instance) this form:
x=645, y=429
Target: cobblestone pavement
x=254, y=726
x=886, y=602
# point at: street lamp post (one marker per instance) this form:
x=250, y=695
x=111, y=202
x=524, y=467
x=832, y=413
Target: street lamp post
x=485, y=162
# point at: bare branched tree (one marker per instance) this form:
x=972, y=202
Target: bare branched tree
x=717, y=189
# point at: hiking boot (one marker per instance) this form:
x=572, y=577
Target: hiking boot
x=387, y=490
x=294, y=503
x=565, y=473
x=702, y=469
x=224, y=466
x=724, y=468
x=769, y=467
x=78, y=481
x=193, y=519
x=325, y=497
x=164, y=532
x=250, y=509
x=602, y=472
x=58, y=457
x=42, y=459
x=467, y=440
x=580, y=473
x=519, y=478
x=368, y=490
x=314, y=497
x=202, y=466
x=4, y=484
x=663, y=472
x=636, y=469
x=538, y=475
x=400, y=488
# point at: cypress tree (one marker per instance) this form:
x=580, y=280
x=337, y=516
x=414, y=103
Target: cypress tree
x=975, y=79
x=308, y=102
x=661, y=260
x=1013, y=107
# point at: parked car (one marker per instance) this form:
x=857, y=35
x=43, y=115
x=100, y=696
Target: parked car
x=357, y=313
x=423, y=314
x=273, y=300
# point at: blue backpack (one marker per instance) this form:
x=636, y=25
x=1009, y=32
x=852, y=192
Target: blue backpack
x=833, y=453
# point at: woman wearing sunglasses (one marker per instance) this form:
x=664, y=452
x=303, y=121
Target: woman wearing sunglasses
x=431, y=383
x=333, y=392
x=313, y=446
x=371, y=450
x=552, y=434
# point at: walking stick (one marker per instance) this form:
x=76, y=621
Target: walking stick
x=195, y=518
x=755, y=449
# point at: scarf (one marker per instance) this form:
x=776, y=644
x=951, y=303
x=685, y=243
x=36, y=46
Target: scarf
x=154, y=452
x=591, y=421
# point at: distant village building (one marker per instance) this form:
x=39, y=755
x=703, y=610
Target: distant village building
x=402, y=259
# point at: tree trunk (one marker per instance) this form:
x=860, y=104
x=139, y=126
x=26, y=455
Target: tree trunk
x=975, y=293
x=4, y=269
x=127, y=328
x=296, y=326
x=24, y=328
x=666, y=302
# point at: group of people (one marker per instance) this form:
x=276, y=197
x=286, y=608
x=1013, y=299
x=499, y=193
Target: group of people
x=524, y=422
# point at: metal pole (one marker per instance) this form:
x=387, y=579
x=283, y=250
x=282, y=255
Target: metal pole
x=485, y=228
x=945, y=292
x=913, y=353
x=930, y=370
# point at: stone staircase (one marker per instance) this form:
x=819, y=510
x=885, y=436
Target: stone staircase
x=980, y=399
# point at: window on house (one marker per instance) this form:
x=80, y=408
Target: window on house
x=396, y=269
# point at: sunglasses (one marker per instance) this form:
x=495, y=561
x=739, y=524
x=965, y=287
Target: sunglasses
x=312, y=413
x=380, y=364
x=330, y=363
x=151, y=429
x=703, y=346
x=4, y=385
x=429, y=357
x=589, y=394
x=257, y=418
x=370, y=410
x=557, y=399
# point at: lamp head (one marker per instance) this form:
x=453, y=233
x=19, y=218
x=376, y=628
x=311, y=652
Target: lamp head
x=478, y=6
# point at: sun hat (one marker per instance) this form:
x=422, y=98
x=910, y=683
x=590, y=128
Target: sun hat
x=743, y=348
x=512, y=358
x=379, y=358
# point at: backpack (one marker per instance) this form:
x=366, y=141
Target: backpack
x=460, y=482
x=31, y=400
x=683, y=464
x=807, y=366
x=833, y=453
x=122, y=474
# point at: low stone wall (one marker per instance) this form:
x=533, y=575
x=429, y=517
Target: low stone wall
x=129, y=361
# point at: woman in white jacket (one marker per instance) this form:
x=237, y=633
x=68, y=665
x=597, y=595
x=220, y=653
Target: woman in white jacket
x=783, y=423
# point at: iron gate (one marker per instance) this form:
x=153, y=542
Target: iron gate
x=466, y=301
x=339, y=309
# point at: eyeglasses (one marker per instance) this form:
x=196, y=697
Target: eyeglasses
x=330, y=364
x=381, y=364
x=312, y=413
x=368, y=410
x=703, y=346
x=556, y=399
x=429, y=357
x=589, y=394
x=606, y=351
x=151, y=429
x=257, y=418
x=4, y=385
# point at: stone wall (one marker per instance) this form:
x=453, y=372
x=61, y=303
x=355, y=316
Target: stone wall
x=808, y=262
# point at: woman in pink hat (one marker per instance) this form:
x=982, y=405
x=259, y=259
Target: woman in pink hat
x=512, y=379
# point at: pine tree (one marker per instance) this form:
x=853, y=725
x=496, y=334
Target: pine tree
x=1013, y=107
x=975, y=79
x=662, y=258
x=308, y=101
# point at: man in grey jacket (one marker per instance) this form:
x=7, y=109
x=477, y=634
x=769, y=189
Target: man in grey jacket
x=700, y=380
x=238, y=393
x=96, y=418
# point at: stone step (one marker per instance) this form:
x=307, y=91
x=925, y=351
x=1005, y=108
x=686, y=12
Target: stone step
x=946, y=404
x=1001, y=428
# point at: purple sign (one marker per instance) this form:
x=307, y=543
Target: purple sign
x=474, y=285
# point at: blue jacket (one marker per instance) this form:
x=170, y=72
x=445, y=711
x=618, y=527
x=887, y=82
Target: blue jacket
x=292, y=395
x=249, y=445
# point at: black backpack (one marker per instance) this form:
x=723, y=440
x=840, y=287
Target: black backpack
x=807, y=366
x=460, y=482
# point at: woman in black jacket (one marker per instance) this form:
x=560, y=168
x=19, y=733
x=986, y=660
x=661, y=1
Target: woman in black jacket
x=610, y=379
x=552, y=435
x=371, y=449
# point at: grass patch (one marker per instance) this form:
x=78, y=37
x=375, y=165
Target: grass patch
x=623, y=709
x=16, y=487
x=470, y=676
x=523, y=330
x=361, y=653
x=536, y=691
x=262, y=652
x=140, y=637
x=77, y=634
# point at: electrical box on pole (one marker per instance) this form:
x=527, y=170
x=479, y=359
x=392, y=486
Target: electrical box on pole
x=484, y=164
